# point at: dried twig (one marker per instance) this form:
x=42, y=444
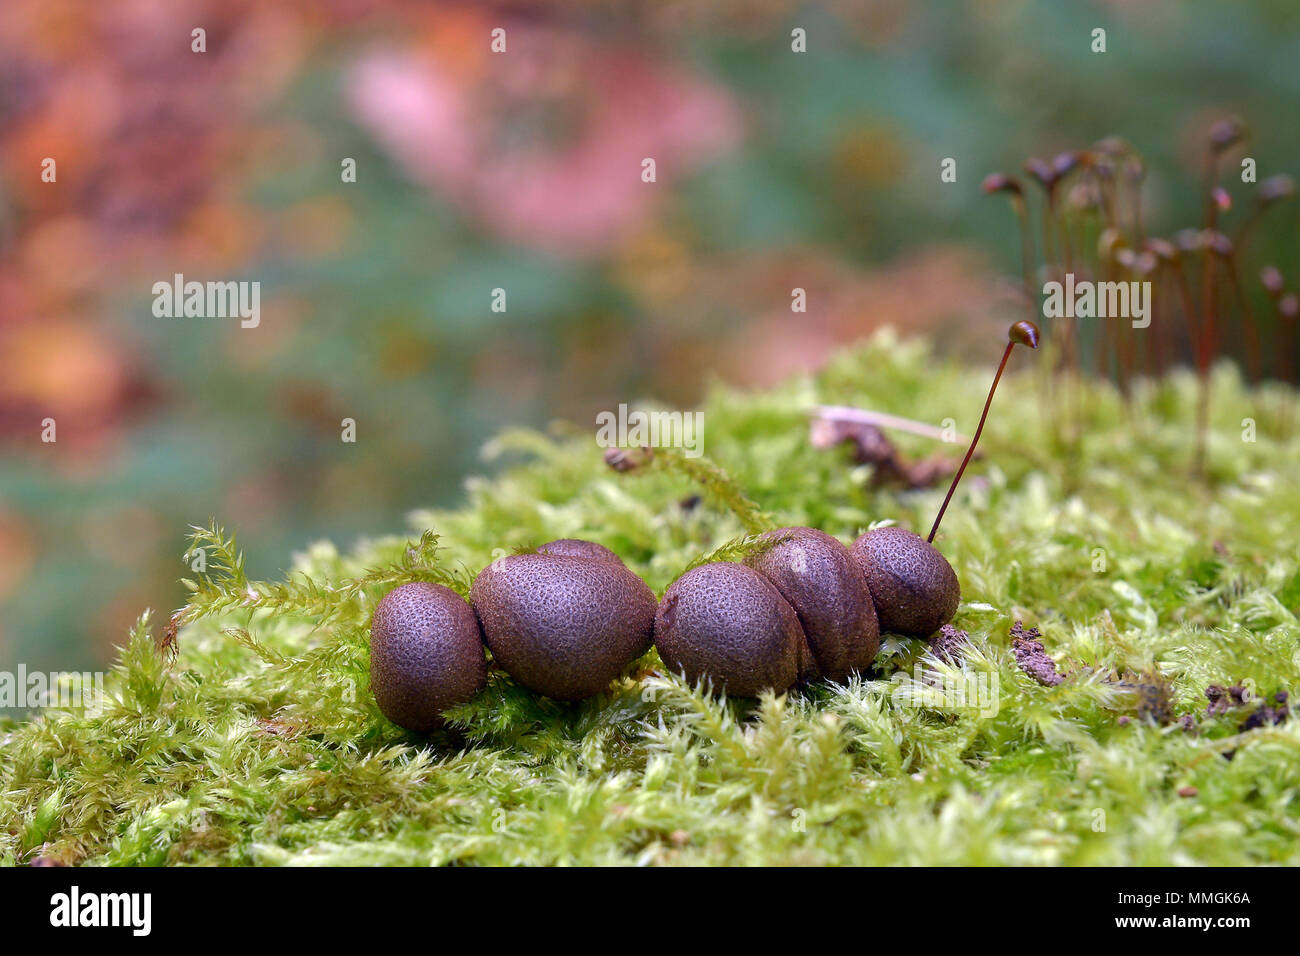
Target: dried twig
x=847, y=414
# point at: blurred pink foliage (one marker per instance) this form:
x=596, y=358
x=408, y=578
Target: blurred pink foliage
x=480, y=143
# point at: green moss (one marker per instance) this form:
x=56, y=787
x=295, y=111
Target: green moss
x=259, y=742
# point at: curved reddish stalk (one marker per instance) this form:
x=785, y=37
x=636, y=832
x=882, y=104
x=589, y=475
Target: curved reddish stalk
x=1223, y=135
x=1022, y=333
x=1254, y=362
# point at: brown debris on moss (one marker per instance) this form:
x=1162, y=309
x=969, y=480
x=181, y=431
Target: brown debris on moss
x=1222, y=699
x=1155, y=700
x=168, y=643
x=1151, y=697
x=624, y=460
x=949, y=643
x=1032, y=656
x=1266, y=715
x=871, y=447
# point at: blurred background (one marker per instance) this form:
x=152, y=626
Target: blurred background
x=522, y=171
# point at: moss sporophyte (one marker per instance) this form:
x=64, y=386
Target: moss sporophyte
x=1186, y=292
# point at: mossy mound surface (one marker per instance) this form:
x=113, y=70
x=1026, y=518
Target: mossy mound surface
x=255, y=739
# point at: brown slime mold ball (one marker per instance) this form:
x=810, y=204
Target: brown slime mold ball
x=563, y=626
x=730, y=624
x=914, y=587
x=820, y=579
x=426, y=654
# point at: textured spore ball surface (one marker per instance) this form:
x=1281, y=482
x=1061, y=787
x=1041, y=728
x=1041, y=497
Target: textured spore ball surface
x=577, y=548
x=730, y=624
x=914, y=587
x=563, y=626
x=826, y=587
x=426, y=654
